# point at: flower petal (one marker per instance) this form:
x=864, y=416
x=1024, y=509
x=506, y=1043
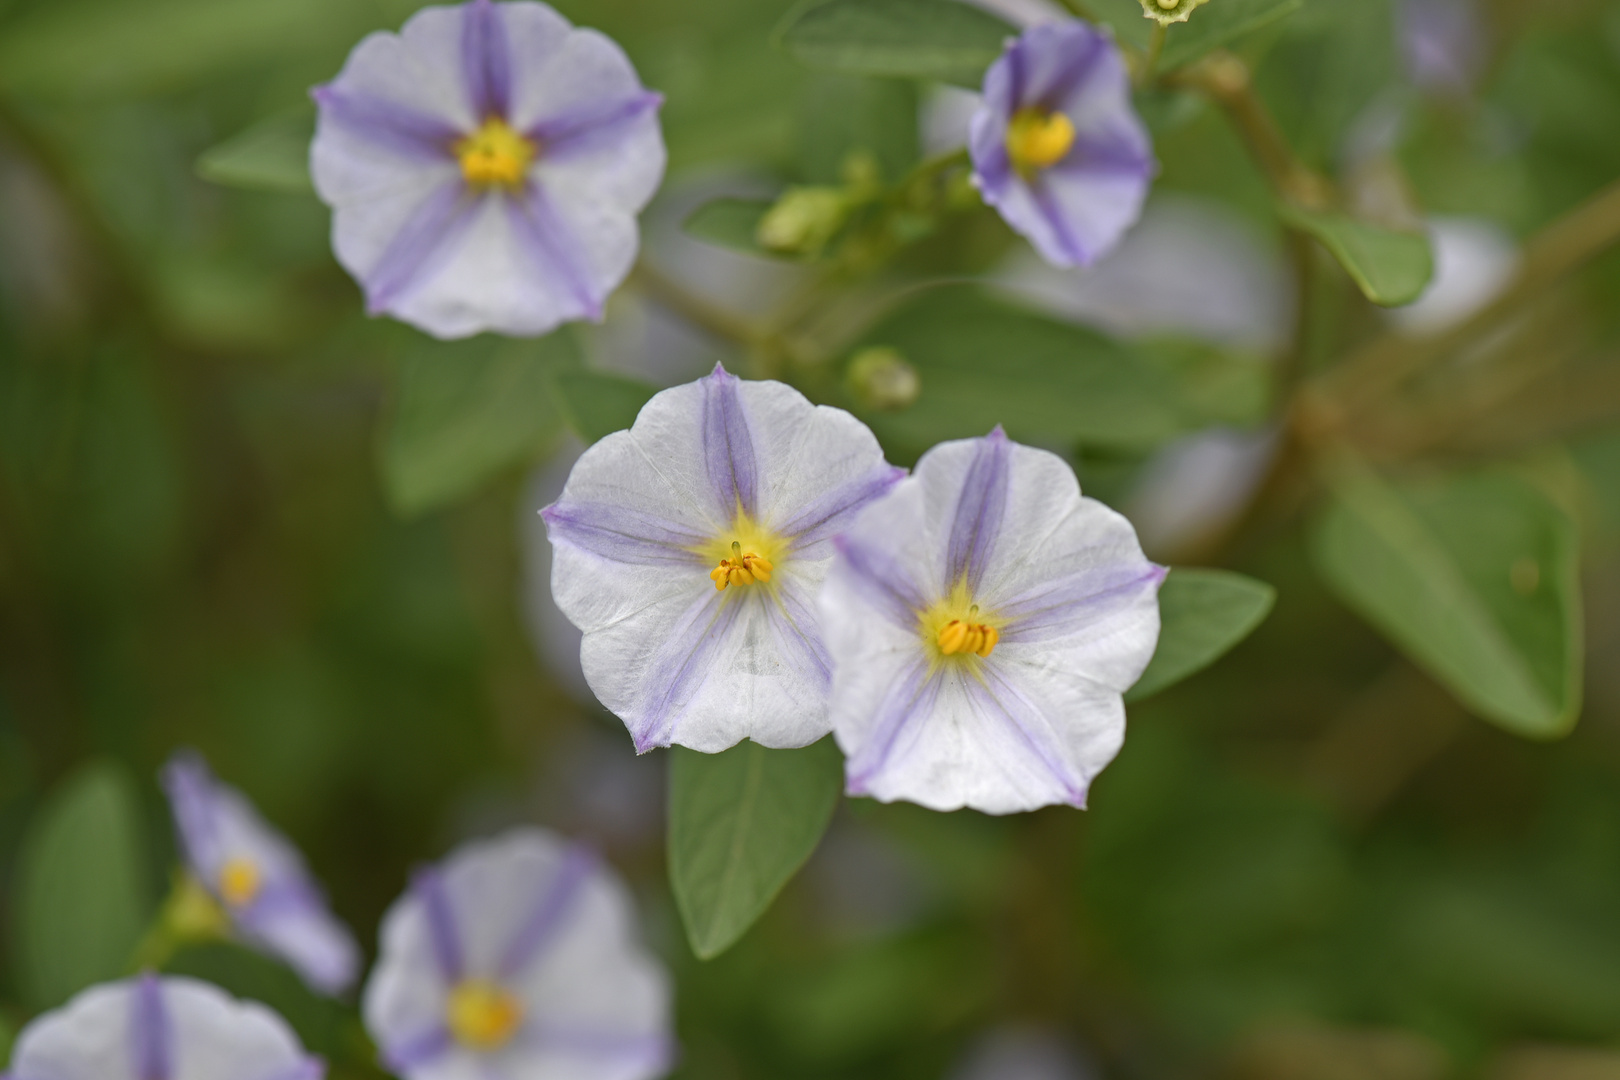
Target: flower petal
x=728, y=447
x=424, y=243
x=980, y=506
x=486, y=58
x=419, y=69
x=360, y=124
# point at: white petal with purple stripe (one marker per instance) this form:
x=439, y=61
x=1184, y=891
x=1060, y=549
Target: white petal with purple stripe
x=637, y=533
x=152, y=1028
x=553, y=930
x=1003, y=527
x=454, y=256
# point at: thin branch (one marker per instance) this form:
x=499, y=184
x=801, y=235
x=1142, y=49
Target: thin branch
x=697, y=310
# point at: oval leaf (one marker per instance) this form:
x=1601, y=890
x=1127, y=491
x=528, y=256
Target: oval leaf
x=82, y=892
x=1389, y=266
x=1474, y=579
x=272, y=155
x=598, y=405
x=464, y=411
x=741, y=823
x=730, y=223
x=921, y=39
x=1202, y=615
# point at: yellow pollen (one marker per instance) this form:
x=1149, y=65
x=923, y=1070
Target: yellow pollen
x=1037, y=138
x=957, y=637
x=495, y=154
x=955, y=628
x=743, y=568
x=239, y=881
x=482, y=1015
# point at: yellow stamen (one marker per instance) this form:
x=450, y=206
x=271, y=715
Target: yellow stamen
x=743, y=568
x=957, y=637
x=239, y=881
x=1037, y=138
x=955, y=627
x=495, y=155
x=482, y=1015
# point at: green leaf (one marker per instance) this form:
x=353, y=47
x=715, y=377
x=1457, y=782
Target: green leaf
x=920, y=39
x=464, y=411
x=82, y=892
x=1202, y=615
x=1389, y=266
x=849, y=125
x=1475, y=579
x=272, y=155
x=741, y=823
x=597, y=404
x=982, y=362
x=730, y=223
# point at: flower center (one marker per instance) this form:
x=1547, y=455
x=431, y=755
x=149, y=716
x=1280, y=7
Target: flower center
x=495, y=154
x=1037, y=138
x=742, y=568
x=482, y=1015
x=956, y=628
x=239, y=881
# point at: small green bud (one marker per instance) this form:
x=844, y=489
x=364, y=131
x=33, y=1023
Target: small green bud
x=803, y=220
x=880, y=378
x=861, y=173
x=1165, y=12
x=192, y=913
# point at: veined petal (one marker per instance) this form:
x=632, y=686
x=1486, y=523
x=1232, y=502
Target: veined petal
x=728, y=447
x=623, y=534
x=558, y=259
x=419, y=68
x=364, y=124
x=981, y=503
x=422, y=246
x=486, y=58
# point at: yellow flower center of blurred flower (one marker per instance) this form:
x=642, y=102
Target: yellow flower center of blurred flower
x=956, y=628
x=1037, y=138
x=495, y=154
x=239, y=881
x=482, y=1015
x=743, y=555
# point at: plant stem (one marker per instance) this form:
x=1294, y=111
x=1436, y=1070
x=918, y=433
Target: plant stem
x=694, y=308
x=1144, y=74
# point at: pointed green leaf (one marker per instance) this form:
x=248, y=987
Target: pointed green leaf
x=463, y=411
x=82, y=892
x=272, y=155
x=597, y=404
x=741, y=823
x=730, y=223
x=1475, y=579
x=1202, y=615
x=1390, y=267
x=922, y=39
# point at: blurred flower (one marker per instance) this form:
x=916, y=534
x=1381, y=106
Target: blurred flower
x=518, y=957
x=1474, y=260
x=257, y=877
x=689, y=550
x=485, y=167
x=152, y=1028
x=1057, y=148
x=1442, y=43
x=1196, y=486
x=984, y=620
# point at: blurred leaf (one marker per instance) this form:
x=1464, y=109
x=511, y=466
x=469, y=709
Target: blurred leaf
x=84, y=50
x=1475, y=579
x=1211, y=26
x=597, y=404
x=731, y=223
x=272, y=155
x=82, y=895
x=1202, y=615
x=1391, y=268
x=848, y=124
x=466, y=410
x=741, y=823
x=921, y=39
x=983, y=362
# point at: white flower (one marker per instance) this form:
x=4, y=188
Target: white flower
x=153, y=1028
x=517, y=958
x=258, y=878
x=485, y=167
x=689, y=550
x=984, y=620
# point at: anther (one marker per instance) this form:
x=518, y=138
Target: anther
x=743, y=568
x=957, y=637
x=1037, y=139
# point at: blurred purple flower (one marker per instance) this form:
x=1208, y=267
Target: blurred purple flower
x=984, y=620
x=1057, y=148
x=485, y=167
x=152, y=1028
x=1443, y=44
x=689, y=550
x=518, y=956
x=258, y=878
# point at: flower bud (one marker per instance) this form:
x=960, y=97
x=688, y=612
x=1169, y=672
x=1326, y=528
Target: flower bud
x=880, y=378
x=803, y=220
x=1165, y=12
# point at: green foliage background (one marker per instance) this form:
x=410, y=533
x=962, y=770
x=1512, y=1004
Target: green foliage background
x=236, y=514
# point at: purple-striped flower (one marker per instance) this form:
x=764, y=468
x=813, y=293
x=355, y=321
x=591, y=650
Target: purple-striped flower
x=984, y=620
x=258, y=878
x=518, y=957
x=689, y=550
x=485, y=167
x=1057, y=148
x=152, y=1028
